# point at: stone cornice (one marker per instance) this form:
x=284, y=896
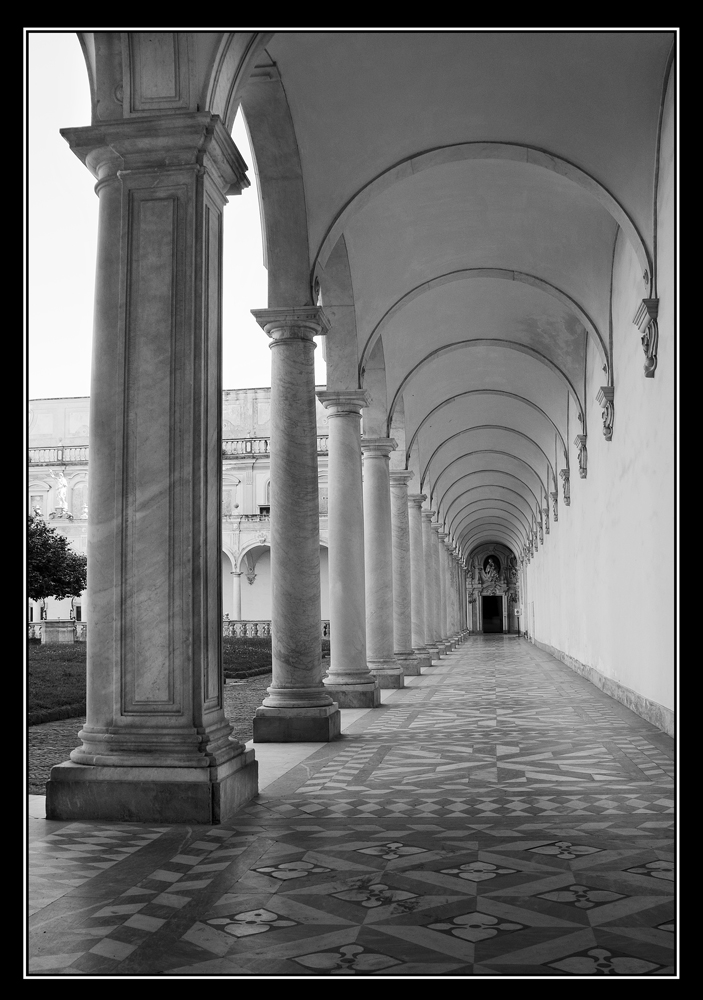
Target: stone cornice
x=164, y=142
x=344, y=400
x=378, y=445
x=295, y=323
x=401, y=477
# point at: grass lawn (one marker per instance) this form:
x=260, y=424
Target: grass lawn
x=56, y=673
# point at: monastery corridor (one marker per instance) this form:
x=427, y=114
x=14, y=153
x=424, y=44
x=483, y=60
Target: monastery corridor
x=497, y=816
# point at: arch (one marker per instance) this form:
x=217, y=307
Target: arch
x=492, y=392
x=497, y=523
x=466, y=274
x=485, y=342
x=480, y=472
x=491, y=536
x=488, y=486
x=489, y=508
x=516, y=152
x=480, y=427
x=484, y=451
x=249, y=547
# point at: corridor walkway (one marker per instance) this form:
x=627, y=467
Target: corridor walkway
x=499, y=816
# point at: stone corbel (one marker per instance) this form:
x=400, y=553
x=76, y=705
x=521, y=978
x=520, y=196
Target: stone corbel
x=580, y=442
x=646, y=322
x=564, y=476
x=605, y=398
x=555, y=505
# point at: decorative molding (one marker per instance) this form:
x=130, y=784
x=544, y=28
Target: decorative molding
x=545, y=511
x=605, y=398
x=555, y=505
x=295, y=323
x=564, y=475
x=652, y=711
x=580, y=442
x=647, y=323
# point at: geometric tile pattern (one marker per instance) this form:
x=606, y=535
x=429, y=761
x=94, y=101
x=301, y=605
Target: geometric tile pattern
x=499, y=816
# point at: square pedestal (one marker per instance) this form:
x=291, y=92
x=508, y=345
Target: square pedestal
x=411, y=667
x=278, y=725
x=355, y=696
x=386, y=679
x=152, y=794
x=59, y=630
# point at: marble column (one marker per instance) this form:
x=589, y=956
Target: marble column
x=449, y=605
x=402, y=576
x=349, y=680
x=417, y=582
x=439, y=590
x=236, y=597
x=298, y=707
x=428, y=554
x=378, y=553
x=156, y=745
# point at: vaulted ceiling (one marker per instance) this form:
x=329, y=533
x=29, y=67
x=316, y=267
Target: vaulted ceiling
x=477, y=183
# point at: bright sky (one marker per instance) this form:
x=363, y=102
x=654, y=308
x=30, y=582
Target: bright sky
x=63, y=225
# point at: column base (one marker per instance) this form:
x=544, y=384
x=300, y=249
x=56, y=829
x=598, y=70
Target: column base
x=297, y=725
x=354, y=695
x=388, y=673
x=433, y=651
x=424, y=658
x=207, y=795
x=409, y=664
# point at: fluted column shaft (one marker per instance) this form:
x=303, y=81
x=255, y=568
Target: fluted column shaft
x=298, y=708
x=402, y=574
x=430, y=585
x=378, y=552
x=349, y=680
x=417, y=573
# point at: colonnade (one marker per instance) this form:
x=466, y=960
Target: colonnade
x=156, y=744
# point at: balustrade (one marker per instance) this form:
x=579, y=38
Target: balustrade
x=249, y=629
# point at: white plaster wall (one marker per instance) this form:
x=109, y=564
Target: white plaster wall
x=603, y=583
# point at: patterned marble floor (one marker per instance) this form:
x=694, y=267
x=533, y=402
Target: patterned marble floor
x=499, y=816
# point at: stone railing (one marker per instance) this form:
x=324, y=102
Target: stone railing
x=60, y=455
x=233, y=447
x=249, y=629
x=80, y=630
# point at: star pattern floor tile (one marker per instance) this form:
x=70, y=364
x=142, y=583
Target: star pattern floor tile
x=499, y=816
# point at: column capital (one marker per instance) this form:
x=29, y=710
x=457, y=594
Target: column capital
x=401, y=477
x=294, y=323
x=341, y=401
x=378, y=445
x=428, y=515
x=170, y=142
x=436, y=526
x=416, y=499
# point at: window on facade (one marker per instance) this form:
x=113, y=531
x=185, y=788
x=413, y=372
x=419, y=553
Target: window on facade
x=79, y=497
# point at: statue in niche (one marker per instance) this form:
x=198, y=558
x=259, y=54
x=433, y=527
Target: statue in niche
x=491, y=570
x=60, y=489
x=512, y=569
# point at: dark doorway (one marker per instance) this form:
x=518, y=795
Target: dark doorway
x=492, y=609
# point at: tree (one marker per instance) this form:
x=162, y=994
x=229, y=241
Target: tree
x=53, y=570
